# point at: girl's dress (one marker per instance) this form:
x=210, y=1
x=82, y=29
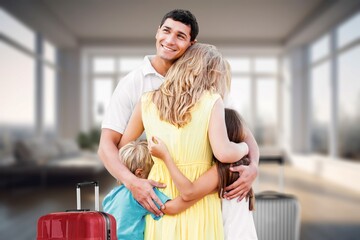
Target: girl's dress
x=190, y=148
x=238, y=220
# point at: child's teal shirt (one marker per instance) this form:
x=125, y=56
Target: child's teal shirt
x=129, y=214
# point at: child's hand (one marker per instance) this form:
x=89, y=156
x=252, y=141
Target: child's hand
x=158, y=149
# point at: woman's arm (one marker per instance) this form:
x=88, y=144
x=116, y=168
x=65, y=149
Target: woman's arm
x=177, y=205
x=189, y=191
x=224, y=150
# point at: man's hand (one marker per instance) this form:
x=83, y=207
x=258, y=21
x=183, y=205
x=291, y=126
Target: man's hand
x=142, y=191
x=242, y=185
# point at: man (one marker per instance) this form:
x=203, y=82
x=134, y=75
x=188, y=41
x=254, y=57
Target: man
x=177, y=31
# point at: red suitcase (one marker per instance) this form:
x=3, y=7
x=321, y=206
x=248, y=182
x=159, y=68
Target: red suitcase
x=78, y=224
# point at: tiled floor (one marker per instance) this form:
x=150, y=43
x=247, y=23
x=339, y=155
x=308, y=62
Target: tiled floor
x=328, y=212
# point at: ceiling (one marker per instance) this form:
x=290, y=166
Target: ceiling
x=226, y=21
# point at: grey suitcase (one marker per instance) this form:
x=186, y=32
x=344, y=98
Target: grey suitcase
x=277, y=216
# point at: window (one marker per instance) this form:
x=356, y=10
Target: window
x=240, y=97
x=17, y=31
x=239, y=65
x=349, y=102
x=321, y=111
x=254, y=95
x=17, y=89
x=349, y=31
x=49, y=99
x=266, y=65
x=335, y=92
x=266, y=122
x=127, y=64
x=29, y=86
x=320, y=49
x=49, y=52
x=102, y=91
x=104, y=65
x=107, y=71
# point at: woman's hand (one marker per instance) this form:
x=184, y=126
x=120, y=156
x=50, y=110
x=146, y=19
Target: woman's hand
x=157, y=148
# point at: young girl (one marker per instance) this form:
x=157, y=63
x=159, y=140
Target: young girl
x=237, y=216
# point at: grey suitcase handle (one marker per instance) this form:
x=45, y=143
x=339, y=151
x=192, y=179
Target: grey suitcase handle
x=273, y=195
x=78, y=194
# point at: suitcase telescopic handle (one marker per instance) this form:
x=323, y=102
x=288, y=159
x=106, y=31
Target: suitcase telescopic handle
x=78, y=194
x=273, y=195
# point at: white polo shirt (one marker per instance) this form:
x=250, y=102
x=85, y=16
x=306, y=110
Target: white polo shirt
x=127, y=94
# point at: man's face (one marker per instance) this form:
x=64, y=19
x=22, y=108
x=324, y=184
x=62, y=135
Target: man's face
x=172, y=40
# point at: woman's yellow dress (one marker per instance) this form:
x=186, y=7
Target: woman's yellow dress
x=190, y=148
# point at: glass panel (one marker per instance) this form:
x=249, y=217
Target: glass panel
x=240, y=97
x=127, y=64
x=17, y=89
x=349, y=105
x=16, y=30
x=49, y=52
x=104, y=65
x=49, y=99
x=349, y=31
x=239, y=65
x=320, y=48
x=320, y=100
x=266, y=65
x=266, y=124
x=286, y=103
x=102, y=91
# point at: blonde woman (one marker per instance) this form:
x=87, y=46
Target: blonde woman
x=238, y=220
x=187, y=113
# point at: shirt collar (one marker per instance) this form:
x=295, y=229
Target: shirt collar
x=148, y=68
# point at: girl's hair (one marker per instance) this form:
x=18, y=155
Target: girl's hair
x=236, y=133
x=202, y=68
x=136, y=155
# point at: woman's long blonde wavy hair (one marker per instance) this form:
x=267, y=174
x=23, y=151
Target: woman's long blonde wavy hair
x=202, y=68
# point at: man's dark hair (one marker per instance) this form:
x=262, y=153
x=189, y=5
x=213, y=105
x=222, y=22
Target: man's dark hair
x=186, y=17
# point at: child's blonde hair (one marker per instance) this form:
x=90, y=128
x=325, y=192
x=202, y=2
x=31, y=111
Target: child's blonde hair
x=135, y=155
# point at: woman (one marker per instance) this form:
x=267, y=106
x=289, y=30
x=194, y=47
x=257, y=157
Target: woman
x=238, y=221
x=187, y=113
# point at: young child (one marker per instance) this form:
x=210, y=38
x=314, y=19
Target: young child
x=129, y=214
x=237, y=216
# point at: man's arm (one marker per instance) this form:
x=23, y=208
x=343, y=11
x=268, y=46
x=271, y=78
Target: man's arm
x=108, y=153
x=142, y=189
x=248, y=174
